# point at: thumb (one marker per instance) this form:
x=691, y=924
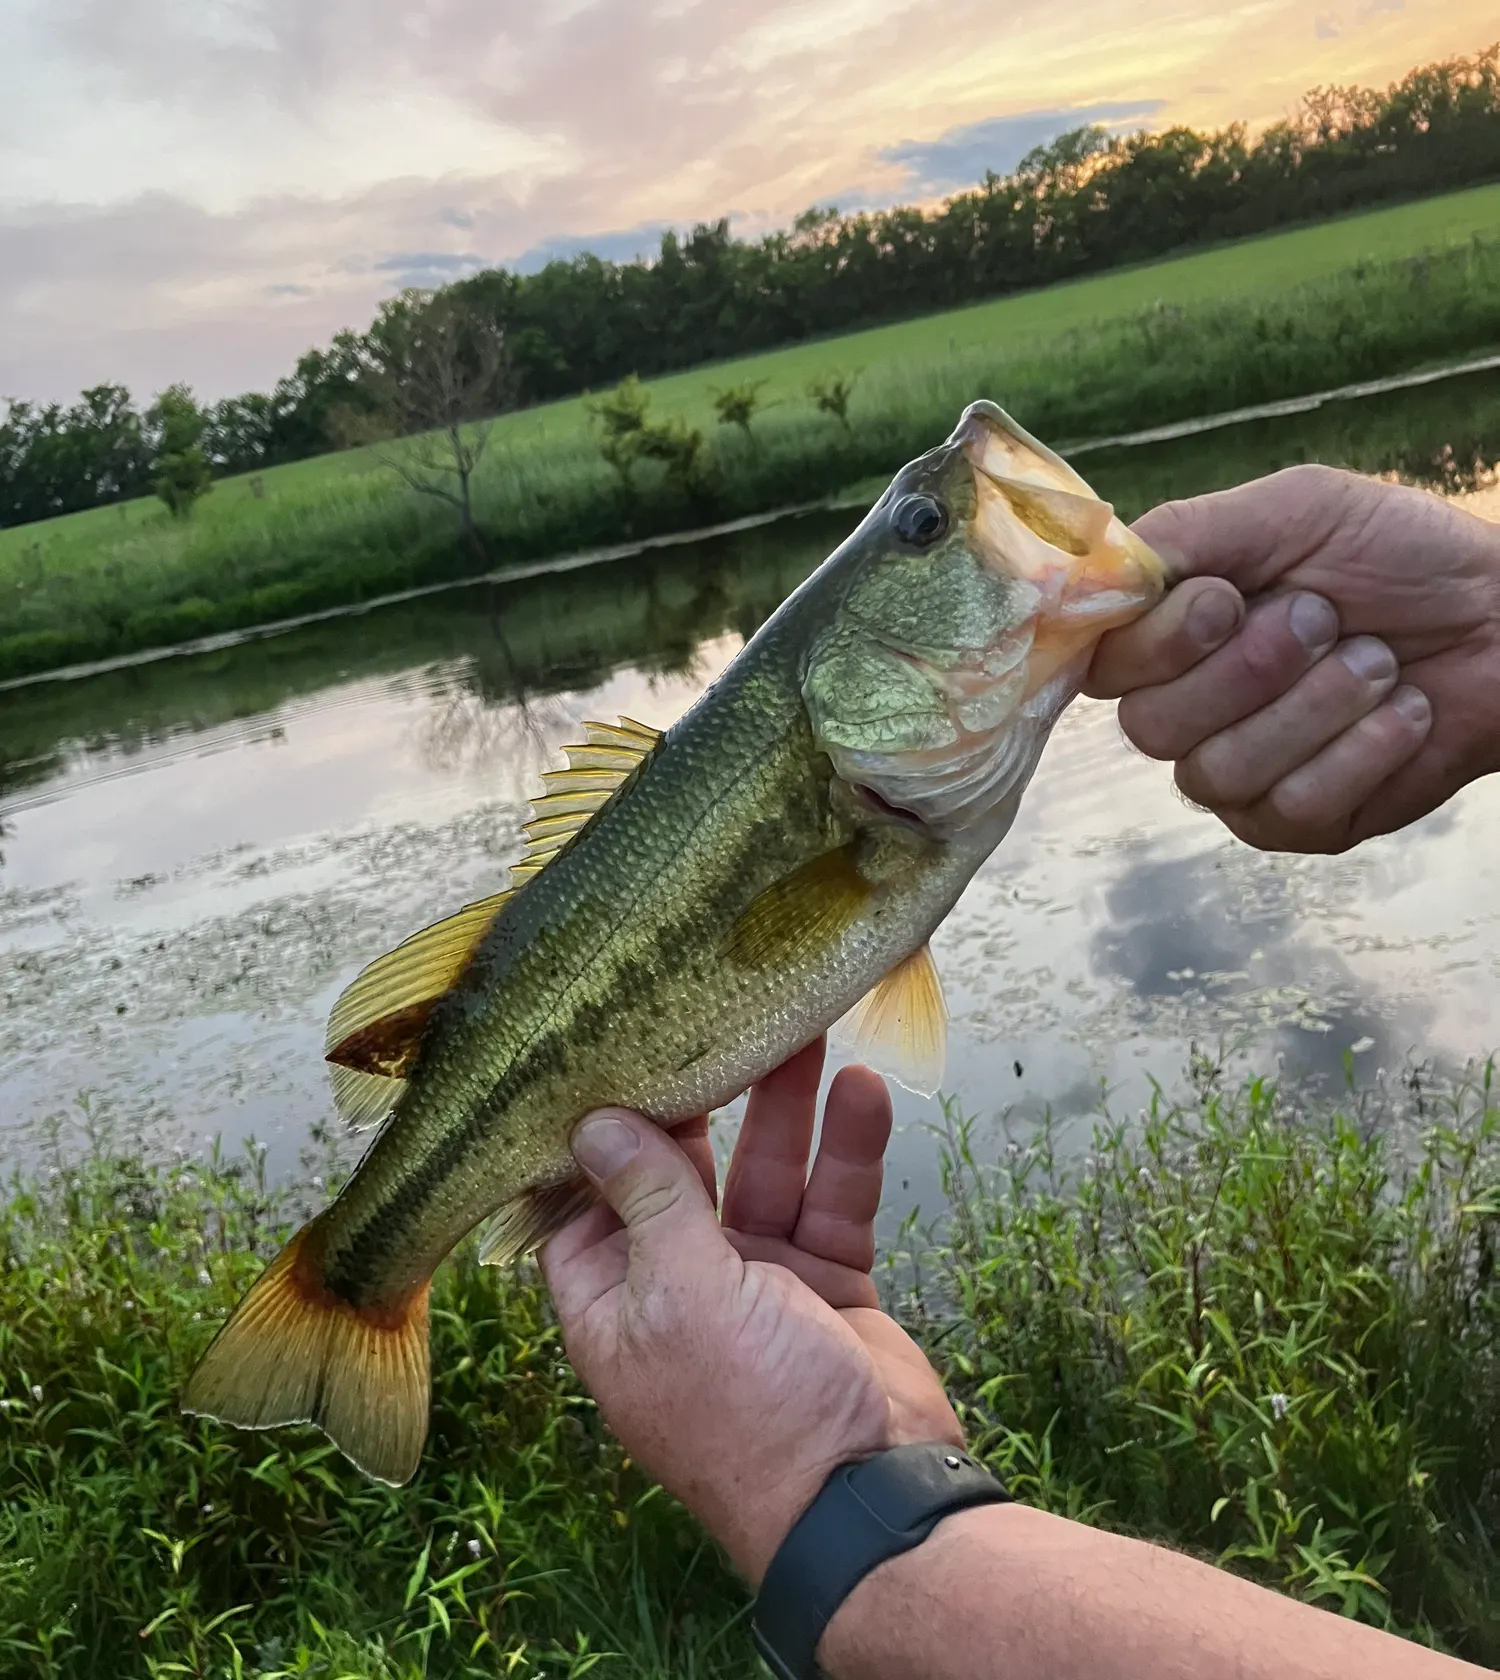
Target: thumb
x=646, y=1178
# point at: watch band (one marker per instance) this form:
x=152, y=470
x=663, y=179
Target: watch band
x=864, y=1513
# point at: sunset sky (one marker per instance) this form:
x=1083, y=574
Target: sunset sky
x=200, y=191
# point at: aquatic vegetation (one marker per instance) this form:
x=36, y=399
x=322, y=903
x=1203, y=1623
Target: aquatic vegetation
x=1243, y=1323
x=1147, y=346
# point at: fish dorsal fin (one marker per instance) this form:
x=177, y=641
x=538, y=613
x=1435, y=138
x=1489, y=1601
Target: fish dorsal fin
x=598, y=768
x=377, y=1024
x=900, y=1028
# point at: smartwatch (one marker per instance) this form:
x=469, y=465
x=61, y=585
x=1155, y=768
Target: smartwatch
x=864, y=1513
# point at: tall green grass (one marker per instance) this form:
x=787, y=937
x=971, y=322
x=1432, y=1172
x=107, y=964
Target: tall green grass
x=1245, y=1324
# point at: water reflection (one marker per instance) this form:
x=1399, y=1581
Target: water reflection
x=199, y=853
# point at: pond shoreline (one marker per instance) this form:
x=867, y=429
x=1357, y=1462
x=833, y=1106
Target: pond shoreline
x=852, y=497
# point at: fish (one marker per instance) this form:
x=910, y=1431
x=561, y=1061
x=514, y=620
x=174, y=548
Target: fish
x=693, y=907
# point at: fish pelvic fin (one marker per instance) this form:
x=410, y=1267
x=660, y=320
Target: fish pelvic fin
x=526, y=1221
x=296, y=1352
x=900, y=1027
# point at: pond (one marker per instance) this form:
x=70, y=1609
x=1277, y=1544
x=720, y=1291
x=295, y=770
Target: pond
x=199, y=852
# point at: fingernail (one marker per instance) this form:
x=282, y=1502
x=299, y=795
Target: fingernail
x=1369, y=659
x=1413, y=705
x=603, y=1144
x=1314, y=622
x=1214, y=617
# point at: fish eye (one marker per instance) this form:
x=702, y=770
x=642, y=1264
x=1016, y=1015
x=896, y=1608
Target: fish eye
x=919, y=520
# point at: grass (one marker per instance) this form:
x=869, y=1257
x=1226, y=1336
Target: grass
x=1272, y=317
x=1261, y=1330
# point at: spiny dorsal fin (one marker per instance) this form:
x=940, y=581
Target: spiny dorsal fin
x=377, y=1024
x=900, y=1028
x=597, y=769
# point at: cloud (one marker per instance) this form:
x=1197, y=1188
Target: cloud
x=623, y=246
x=960, y=157
x=1326, y=26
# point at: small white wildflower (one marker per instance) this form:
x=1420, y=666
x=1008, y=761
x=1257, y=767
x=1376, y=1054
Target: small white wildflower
x=204, y=1276
x=317, y=1181
x=1279, y=1404
x=36, y=1393
x=208, y=1509
x=128, y=1305
x=196, y=1317
x=473, y=1548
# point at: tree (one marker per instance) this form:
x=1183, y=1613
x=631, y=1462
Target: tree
x=737, y=406
x=435, y=375
x=620, y=416
x=831, y=392
x=182, y=473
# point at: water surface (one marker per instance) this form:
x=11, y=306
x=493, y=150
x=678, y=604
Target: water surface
x=199, y=853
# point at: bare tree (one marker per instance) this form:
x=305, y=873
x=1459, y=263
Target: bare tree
x=438, y=374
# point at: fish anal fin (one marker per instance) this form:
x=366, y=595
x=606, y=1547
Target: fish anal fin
x=802, y=914
x=900, y=1027
x=363, y=1099
x=526, y=1221
x=296, y=1352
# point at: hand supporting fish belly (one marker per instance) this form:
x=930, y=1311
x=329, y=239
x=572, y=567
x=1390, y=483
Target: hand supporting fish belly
x=692, y=908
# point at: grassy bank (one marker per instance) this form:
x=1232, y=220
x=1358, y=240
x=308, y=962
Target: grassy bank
x=1141, y=347
x=1266, y=1333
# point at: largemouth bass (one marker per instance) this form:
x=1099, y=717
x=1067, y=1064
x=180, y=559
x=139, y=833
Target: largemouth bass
x=692, y=909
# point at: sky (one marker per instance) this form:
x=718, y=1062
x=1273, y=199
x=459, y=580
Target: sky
x=199, y=190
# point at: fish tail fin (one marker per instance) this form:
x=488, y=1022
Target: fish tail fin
x=296, y=1352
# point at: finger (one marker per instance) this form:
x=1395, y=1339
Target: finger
x=585, y=1260
x=763, y=1188
x=656, y=1191
x=692, y=1140
x=1242, y=763
x=840, y=1286
x=1280, y=640
x=837, y=1221
x=1195, y=618
x=1320, y=806
x=1255, y=532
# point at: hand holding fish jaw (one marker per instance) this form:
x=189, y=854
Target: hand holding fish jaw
x=739, y=1363
x=1329, y=669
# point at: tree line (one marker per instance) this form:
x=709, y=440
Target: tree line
x=1085, y=202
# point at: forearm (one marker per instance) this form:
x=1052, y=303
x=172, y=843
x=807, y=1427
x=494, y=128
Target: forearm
x=1010, y=1591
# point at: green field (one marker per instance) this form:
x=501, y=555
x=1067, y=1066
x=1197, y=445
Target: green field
x=1271, y=317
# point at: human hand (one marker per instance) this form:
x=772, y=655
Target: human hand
x=740, y=1363
x=1330, y=668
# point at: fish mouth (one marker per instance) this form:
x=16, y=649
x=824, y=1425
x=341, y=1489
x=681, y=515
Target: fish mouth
x=1038, y=521
x=1077, y=571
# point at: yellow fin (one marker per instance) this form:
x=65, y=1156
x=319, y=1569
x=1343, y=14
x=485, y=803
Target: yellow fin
x=800, y=915
x=295, y=1352
x=527, y=1221
x=900, y=1027
x=377, y=1023
x=363, y=1099
x=597, y=769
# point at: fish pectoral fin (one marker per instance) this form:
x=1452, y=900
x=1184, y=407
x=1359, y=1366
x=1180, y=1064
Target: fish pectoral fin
x=804, y=913
x=900, y=1027
x=294, y=1352
x=526, y=1221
